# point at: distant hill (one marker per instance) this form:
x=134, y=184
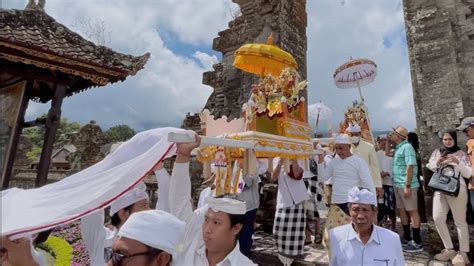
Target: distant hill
x=375, y=132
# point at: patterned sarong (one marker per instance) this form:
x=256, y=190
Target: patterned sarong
x=336, y=217
x=289, y=230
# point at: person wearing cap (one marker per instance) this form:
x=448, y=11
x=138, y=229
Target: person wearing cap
x=467, y=126
x=212, y=231
x=96, y=236
x=367, y=151
x=404, y=174
x=388, y=207
x=361, y=242
x=147, y=238
x=345, y=171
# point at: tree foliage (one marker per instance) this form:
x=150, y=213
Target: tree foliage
x=119, y=133
x=65, y=132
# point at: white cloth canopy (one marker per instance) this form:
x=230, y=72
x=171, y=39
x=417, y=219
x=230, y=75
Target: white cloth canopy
x=29, y=211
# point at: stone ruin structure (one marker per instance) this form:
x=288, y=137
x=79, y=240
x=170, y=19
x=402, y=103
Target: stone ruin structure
x=88, y=142
x=440, y=37
x=285, y=19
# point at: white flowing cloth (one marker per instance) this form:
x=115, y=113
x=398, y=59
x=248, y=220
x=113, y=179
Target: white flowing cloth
x=29, y=211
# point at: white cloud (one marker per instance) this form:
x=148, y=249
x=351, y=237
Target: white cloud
x=360, y=29
x=171, y=83
x=206, y=60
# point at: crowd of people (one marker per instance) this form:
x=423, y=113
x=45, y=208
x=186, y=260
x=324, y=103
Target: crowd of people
x=365, y=187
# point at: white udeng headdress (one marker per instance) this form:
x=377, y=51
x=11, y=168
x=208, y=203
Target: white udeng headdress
x=157, y=229
x=342, y=139
x=137, y=194
x=230, y=206
x=361, y=196
x=353, y=128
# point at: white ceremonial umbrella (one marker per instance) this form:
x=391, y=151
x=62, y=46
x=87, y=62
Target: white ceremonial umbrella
x=319, y=111
x=354, y=74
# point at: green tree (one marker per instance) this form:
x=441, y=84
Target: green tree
x=119, y=133
x=64, y=133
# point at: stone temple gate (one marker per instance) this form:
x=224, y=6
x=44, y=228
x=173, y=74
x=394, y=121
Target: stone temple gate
x=440, y=36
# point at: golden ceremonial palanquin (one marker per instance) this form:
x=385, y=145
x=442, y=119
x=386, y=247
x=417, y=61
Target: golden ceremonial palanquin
x=274, y=119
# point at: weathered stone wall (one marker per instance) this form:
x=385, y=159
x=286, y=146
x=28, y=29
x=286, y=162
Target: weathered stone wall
x=440, y=37
x=285, y=19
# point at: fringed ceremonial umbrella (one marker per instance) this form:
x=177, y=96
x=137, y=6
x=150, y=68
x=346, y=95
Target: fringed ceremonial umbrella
x=320, y=111
x=354, y=74
x=263, y=59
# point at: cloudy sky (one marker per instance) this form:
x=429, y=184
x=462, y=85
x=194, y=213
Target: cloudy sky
x=179, y=36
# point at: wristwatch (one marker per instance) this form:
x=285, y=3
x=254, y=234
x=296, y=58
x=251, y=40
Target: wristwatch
x=408, y=185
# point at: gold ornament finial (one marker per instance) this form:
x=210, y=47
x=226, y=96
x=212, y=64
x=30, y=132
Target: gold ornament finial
x=270, y=39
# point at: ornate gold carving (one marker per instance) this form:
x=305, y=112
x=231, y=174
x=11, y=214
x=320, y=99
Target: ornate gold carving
x=293, y=129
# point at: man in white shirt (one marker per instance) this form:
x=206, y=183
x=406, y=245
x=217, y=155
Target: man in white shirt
x=96, y=236
x=147, y=238
x=388, y=207
x=367, y=151
x=346, y=171
x=290, y=218
x=361, y=242
x=211, y=231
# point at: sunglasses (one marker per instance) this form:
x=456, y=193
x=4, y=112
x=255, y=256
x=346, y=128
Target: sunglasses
x=117, y=258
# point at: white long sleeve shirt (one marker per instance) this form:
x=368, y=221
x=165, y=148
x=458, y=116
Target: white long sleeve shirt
x=367, y=152
x=290, y=191
x=96, y=237
x=385, y=166
x=383, y=247
x=163, y=180
x=345, y=174
x=180, y=205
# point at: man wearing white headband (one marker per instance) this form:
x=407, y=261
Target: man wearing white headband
x=96, y=236
x=211, y=231
x=367, y=151
x=346, y=171
x=147, y=238
x=361, y=242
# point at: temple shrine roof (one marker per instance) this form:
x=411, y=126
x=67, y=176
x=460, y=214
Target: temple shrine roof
x=32, y=37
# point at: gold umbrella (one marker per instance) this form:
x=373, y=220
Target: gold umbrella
x=263, y=59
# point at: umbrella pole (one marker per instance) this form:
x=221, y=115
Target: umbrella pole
x=360, y=92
